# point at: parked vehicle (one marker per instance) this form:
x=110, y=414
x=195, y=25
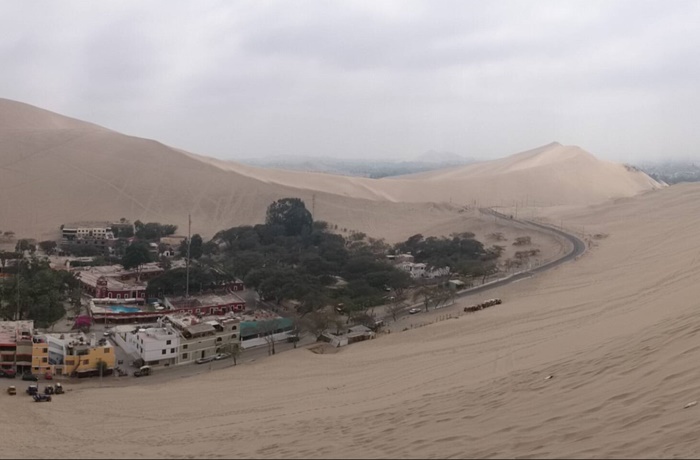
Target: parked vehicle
x=32, y=389
x=42, y=398
x=413, y=311
x=48, y=376
x=8, y=373
x=204, y=360
x=143, y=371
x=222, y=356
x=30, y=377
x=12, y=390
x=59, y=389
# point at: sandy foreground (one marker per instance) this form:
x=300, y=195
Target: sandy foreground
x=618, y=330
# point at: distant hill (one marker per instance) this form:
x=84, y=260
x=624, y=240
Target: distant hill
x=55, y=169
x=443, y=158
x=369, y=168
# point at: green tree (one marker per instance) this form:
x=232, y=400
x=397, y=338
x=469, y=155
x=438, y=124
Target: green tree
x=24, y=245
x=290, y=214
x=196, y=247
x=48, y=246
x=135, y=256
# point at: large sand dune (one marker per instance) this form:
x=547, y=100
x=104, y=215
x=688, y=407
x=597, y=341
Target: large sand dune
x=55, y=169
x=618, y=330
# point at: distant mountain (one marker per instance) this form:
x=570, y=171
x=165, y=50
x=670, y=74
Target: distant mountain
x=375, y=169
x=443, y=158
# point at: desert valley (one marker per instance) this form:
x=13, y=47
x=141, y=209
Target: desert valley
x=594, y=358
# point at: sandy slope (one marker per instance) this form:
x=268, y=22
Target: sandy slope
x=618, y=330
x=55, y=169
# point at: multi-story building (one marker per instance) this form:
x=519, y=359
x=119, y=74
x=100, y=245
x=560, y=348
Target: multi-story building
x=156, y=345
x=204, y=337
x=83, y=357
x=16, y=345
x=87, y=231
x=114, y=282
x=57, y=353
x=40, y=356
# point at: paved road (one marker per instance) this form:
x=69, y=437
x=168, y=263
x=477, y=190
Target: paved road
x=579, y=247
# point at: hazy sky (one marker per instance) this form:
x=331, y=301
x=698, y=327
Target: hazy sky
x=368, y=79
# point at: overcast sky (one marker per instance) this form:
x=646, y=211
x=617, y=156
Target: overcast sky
x=368, y=79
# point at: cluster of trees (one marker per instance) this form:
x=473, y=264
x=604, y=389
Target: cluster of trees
x=153, y=231
x=174, y=282
x=461, y=252
x=292, y=257
x=37, y=292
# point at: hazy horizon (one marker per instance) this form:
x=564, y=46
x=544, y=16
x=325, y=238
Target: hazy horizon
x=382, y=80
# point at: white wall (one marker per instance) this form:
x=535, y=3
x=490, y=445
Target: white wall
x=150, y=346
x=257, y=342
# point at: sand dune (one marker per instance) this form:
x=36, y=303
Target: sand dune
x=55, y=169
x=618, y=331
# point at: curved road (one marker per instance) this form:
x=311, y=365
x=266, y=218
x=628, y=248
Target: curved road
x=579, y=247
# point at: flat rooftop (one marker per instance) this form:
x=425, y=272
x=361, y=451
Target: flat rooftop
x=112, y=284
x=88, y=224
x=204, y=300
x=10, y=330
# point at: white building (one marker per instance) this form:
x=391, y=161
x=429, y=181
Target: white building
x=421, y=270
x=155, y=345
x=88, y=230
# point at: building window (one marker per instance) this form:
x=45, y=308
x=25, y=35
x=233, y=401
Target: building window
x=184, y=347
x=36, y=368
x=106, y=350
x=119, y=296
x=45, y=350
x=233, y=336
x=184, y=356
x=172, y=350
x=218, y=339
x=163, y=352
x=44, y=360
x=87, y=361
x=168, y=342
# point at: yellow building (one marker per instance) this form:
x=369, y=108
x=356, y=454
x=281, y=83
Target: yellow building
x=40, y=357
x=83, y=359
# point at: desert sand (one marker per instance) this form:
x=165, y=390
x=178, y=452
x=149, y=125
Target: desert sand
x=55, y=170
x=616, y=330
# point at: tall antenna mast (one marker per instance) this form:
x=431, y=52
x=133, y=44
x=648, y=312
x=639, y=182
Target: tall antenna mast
x=187, y=262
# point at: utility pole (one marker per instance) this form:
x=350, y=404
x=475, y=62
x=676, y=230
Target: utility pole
x=187, y=262
x=313, y=206
x=17, y=315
